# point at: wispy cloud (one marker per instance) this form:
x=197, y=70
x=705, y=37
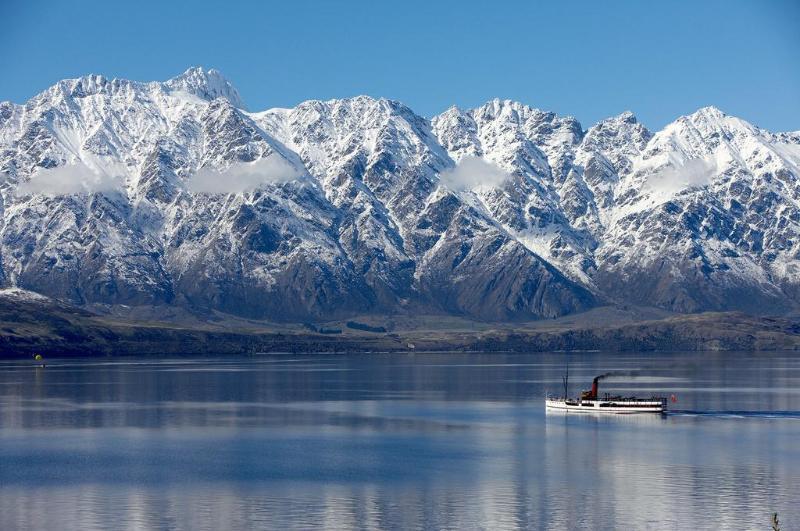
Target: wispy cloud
x=70, y=179
x=471, y=172
x=693, y=173
x=243, y=177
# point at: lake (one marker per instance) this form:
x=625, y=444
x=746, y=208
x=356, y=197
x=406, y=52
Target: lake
x=417, y=441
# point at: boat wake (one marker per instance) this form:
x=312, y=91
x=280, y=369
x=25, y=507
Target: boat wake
x=736, y=414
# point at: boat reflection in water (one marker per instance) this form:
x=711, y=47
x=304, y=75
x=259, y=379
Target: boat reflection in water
x=365, y=441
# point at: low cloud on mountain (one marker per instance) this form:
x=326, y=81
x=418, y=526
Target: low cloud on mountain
x=76, y=178
x=242, y=177
x=587, y=223
x=693, y=173
x=471, y=172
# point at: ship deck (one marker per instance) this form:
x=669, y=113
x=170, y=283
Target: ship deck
x=609, y=405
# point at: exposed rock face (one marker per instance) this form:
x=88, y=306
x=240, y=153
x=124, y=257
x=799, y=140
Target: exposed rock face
x=363, y=212
x=700, y=216
x=707, y=218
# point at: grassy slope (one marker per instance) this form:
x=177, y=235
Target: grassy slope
x=29, y=325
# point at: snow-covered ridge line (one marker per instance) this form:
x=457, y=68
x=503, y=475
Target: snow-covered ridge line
x=172, y=193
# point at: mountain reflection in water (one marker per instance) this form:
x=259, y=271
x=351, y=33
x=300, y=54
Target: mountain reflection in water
x=444, y=441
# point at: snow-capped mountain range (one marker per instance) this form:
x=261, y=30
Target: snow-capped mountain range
x=121, y=192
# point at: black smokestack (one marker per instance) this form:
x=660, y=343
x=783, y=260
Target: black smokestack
x=596, y=382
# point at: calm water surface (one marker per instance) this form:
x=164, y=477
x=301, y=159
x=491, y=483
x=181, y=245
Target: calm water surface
x=444, y=441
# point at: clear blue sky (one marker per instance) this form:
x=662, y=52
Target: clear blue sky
x=591, y=59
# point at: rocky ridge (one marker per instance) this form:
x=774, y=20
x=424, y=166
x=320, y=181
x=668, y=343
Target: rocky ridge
x=361, y=205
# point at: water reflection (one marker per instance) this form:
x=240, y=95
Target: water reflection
x=456, y=441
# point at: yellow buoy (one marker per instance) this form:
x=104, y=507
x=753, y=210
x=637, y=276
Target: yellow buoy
x=37, y=357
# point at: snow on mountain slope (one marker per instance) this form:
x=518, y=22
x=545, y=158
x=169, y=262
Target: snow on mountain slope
x=153, y=242
x=101, y=204
x=537, y=149
x=713, y=204
x=379, y=164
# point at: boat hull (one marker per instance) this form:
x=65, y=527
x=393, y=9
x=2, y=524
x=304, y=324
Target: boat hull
x=608, y=406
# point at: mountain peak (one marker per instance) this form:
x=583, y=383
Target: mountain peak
x=622, y=120
x=711, y=120
x=710, y=111
x=709, y=115
x=207, y=84
x=628, y=117
x=620, y=137
x=497, y=106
